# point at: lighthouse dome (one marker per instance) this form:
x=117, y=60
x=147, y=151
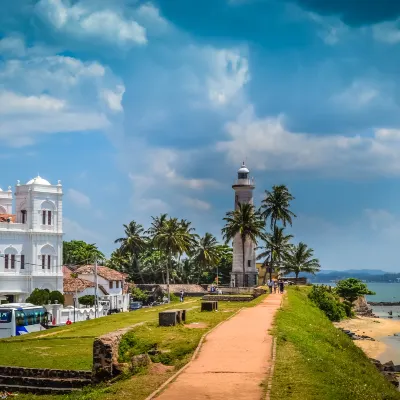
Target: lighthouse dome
x=243, y=169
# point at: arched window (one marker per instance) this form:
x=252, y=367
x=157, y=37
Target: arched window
x=9, y=258
x=47, y=256
x=47, y=209
x=3, y=210
x=24, y=216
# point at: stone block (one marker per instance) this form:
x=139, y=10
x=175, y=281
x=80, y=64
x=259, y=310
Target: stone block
x=168, y=318
x=139, y=361
x=209, y=306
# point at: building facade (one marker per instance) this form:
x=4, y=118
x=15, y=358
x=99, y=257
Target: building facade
x=243, y=187
x=30, y=239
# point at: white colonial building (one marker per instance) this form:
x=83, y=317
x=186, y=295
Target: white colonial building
x=30, y=239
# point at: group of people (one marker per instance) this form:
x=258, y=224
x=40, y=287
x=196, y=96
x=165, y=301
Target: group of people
x=274, y=285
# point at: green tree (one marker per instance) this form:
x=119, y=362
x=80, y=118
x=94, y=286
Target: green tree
x=39, y=297
x=206, y=254
x=132, y=245
x=78, y=252
x=276, y=208
x=173, y=239
x=245, y=222
x=351, y=289
x=87, y=300
x=139, y=295
x=275, y=250
x=55, y=295
x=300, y=258
x=224, y=264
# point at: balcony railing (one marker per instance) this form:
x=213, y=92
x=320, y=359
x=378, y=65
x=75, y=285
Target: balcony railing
x=11, y=226
x=244, y=182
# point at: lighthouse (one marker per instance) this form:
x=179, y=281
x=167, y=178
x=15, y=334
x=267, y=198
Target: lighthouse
x=243, y=187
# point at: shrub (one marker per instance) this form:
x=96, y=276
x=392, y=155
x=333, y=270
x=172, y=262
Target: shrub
x=130, y=345
x=55, y=295
x=174, y=298
x=87, y=300
x=351, y=289
x=328, y=302
x=139, y=295
x=39, y=297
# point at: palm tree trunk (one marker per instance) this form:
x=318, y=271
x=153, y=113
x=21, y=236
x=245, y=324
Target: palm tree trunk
x=243, y=261
x=266, y=271
x=138, y=268
x=168, y=267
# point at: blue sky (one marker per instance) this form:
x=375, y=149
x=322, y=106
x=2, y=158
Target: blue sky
x=148, y=107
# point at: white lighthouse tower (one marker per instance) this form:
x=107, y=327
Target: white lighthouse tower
x=243, y=188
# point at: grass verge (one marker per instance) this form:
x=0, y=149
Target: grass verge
x=176, y=346
x=314, y=360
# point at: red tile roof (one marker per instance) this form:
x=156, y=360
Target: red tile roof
x=105, y=272
x=5, y=217
x=72, y=285
x=66, y=272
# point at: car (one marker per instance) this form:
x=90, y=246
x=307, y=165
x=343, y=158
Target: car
x=135, y=305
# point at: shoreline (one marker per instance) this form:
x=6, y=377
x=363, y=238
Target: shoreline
x=384, y=348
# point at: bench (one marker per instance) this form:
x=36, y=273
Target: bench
x=209, y=306
x=171, y=317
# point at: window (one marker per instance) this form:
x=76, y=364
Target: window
x=48, y=217
x=48, y=262
x=43, y=261
x=117, y=284
x=6, y=261
x=24, y=219
x=44, y=217
x=22, y=261
x=5, y=316
x=111, y=284
x=19, y=318
x=12, y=261
x=249, y=263
x=242, y=175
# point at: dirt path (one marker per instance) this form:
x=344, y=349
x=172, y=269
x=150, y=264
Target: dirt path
x=233, y=361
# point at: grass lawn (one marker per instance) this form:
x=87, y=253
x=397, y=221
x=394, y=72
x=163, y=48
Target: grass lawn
x=315, y=360
x=70, y=347
x=176, y=344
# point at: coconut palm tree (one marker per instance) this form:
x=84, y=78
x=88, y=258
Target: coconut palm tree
x=275, y=206
x=300, y=259
x=206, y=253
x=133, y=244
x=276, y=248
x=246, y=222
x=173, y=239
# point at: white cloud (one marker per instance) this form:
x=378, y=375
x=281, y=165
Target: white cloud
x=74, y=231
x=387, y=32
x=388, y=134
x=196, y=203
x=80, y=20
x=384, y=222
x=330, y=29
x=150, y=17
x=113, y=99
x=13, y=103
x=52, y=94
x=78, y=198
x=271, y=146
x=227, y=72
x=14, y=46
x=358, y=94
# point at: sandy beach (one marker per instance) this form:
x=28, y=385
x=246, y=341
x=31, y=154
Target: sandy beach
x=378, y=328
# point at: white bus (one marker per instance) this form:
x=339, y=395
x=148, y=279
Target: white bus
x=21, y=318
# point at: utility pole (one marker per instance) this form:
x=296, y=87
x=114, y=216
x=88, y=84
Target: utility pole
x=95, y=289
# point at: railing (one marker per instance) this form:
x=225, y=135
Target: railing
x=47, y=227
x=244, y=182
x=11, y=226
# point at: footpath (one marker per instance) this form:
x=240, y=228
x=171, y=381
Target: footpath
x=233, y=361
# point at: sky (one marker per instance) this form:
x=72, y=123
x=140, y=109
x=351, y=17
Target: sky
x=141, y=108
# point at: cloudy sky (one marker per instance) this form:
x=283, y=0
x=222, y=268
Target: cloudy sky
x=148, y=107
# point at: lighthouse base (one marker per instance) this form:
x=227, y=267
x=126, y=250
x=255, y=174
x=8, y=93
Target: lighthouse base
x=250, y=279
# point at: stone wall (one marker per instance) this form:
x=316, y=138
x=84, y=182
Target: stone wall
x=105, y=354
x=44, y=373
x=221, y=297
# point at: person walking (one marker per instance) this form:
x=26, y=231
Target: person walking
x=281, y=286
x=269, y=284
x=182, y=294
x=275, y=286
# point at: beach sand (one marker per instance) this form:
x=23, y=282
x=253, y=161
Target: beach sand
x=379, y=329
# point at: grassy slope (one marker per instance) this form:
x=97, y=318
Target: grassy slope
x=179, y=342
x=316, y=361
x=70, y=347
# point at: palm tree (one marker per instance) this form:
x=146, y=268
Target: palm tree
x=173, y=239
x=133, y=244
x=276, y=248
x=206, y=254
x=89, y=253
x=275, y=206
x=300, y=259
x=245, y=222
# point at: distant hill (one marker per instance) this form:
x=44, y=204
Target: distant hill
x=354, y=271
